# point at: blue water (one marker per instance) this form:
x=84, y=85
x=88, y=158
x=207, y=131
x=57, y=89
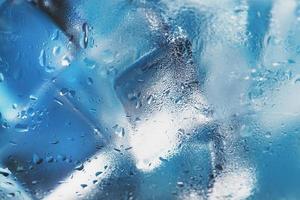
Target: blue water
x=141, y=99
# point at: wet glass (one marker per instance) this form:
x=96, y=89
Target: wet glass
x=149, y=99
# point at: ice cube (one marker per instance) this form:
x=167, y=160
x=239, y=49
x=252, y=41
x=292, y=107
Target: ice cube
x=26, y=61
x=170, y=78
x=54, y=130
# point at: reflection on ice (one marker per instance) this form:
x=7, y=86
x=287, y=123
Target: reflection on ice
x=83, y=181
x=158, y=138
x=237, y=184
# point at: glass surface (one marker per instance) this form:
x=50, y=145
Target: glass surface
x=149, y=99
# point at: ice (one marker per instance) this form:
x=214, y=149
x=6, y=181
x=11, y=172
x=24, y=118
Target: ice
x=164, y=75
x=32, y=119
x=54, y=131
x=25, y=72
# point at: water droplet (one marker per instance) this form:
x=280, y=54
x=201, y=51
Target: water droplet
x=107, y=56
x=5, y=125
x=34, y=182
x=137, y=120
x=291, y=61
x=162, y=159
x=79, y=167
x=276, y=64
x=90, y=81
x=181, y=131
x=84, y=38
x=54, y=142
x=1, y=77
x=20, y=168
x=97, y=131
x=32, y=97
x=36, y=159
x=66, y=61
x=138, y=104
x=55, y=35
x=4, y=172
x=61, y=157
x=63, y=91
x=119, y=131
x=11, y=195
x=150, y=99
x=12, y=143
x=42, y=58
x=128, y=148
x=14, y=106
x=297, y=81
x=49, y=159
x=72, y=93
x=21, y=128
x=30, y=112
x=98, y=173
x=179, y=100
x=58, y=102
x=90, y=63
x=180, y=184
x=268, y=135
x=83, y=185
